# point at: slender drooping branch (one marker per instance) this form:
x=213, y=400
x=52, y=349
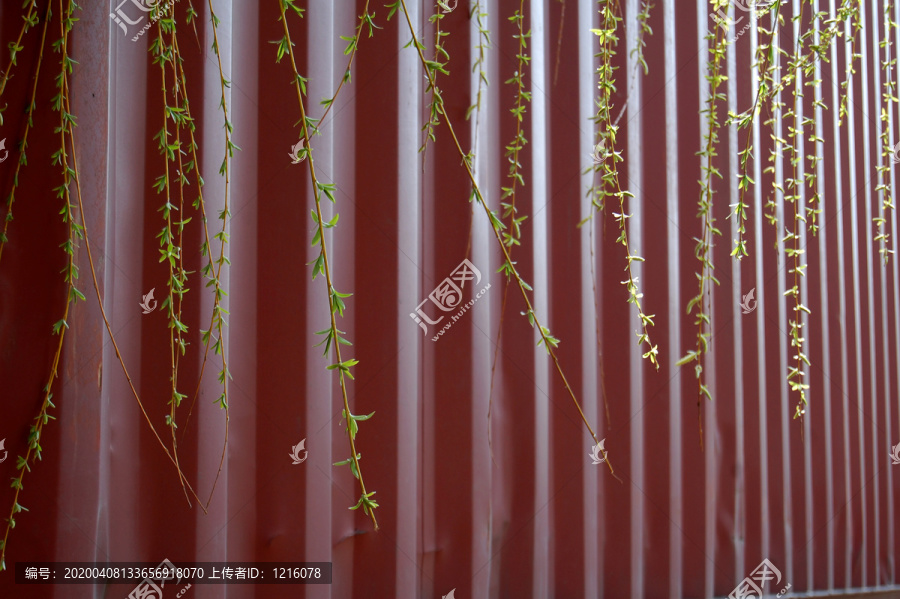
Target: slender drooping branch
x=322, y=265
x=76, y=179
x=794, y=186
x=352, y=46
x=889, y=97
x=606, y=159
x=440, y=61
x=30, y=20
x=172, y=234
x=765, y=52
x=856, y=24
x=484, y=42
x=700, y=303
x=508, y=197
x=547, y=339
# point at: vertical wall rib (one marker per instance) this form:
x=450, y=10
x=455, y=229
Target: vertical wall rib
x=673, y=237
x=735, y=141
x=882, y=26
x=590, y=383
x=544, y=386
x=825, y=319
x=635, y=207
x=761, y=339
x=411, y=460
x=894, y=390
x=867, y=181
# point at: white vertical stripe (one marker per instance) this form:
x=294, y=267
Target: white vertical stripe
x=209, y=417
x=541, y=571
x=710, y=429
x=490, y=124
x=491, y=121
x=410, y=340
x=842, y=301
x=783, y=328
x=705, y=360
x=758, y=250
x=340, y=243
x=799, y=229
x=676, y=536
x=483, y=335
x=586, y=88
x=885, y=319
x=635, y=224
x=124, y=239
x=857, y=326
x=868, y=227
x=734, y=167
x=889, y=392
x=824, y=319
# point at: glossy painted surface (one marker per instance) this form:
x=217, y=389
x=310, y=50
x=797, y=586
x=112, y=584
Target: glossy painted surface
x=528, y=515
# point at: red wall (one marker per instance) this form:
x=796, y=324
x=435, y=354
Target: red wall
x=528, y=515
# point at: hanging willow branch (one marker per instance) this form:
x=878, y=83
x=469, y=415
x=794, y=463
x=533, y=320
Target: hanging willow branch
x=601, y=156
x=700, y=303
x=606, y=159
x=219, y=312
x=889, y=96
x=484, y=42
x=213, y=268
x=30, y=20
x=74, y=232
x=440, y=61
x=794, y=187
x=179, y=113
x=547, y=339
x=171, y=242
x=333, y=335
x=765, y=52
x=856, y=24
x=352, y=46
x=514, y=176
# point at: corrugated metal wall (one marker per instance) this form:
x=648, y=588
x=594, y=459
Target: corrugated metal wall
x=528, y=515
